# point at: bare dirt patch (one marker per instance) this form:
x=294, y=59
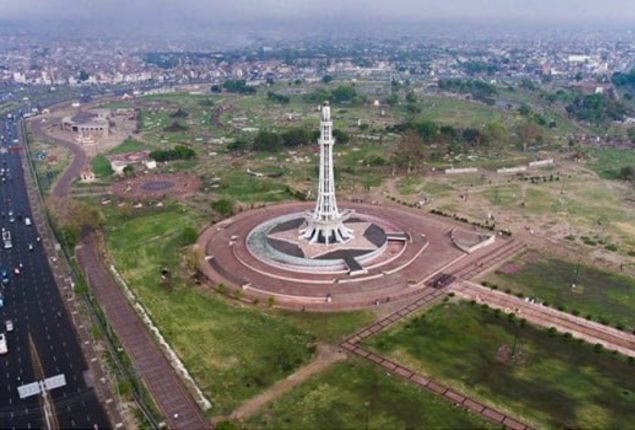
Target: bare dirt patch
x=173, y=185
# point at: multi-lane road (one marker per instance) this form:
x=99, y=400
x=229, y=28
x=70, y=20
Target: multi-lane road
x=43, y=341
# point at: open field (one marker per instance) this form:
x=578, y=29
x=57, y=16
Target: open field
x=608, y=162
x=544, y=379
x=356, y=395
x=56, y=160
x=233, y=351
x=603, y=295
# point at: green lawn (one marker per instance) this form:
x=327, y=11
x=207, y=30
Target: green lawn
x=602, y=294
x=358, y=395
x=330, y=327
x=608, y=162
x=549, y=381
x=128, y=145
x=233, y=352
x=240, y=186
x=101, y=167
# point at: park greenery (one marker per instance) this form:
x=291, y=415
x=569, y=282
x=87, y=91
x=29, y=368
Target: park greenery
x=179, y=152
x=356, y=394
x=254, y=145
x=542, y=377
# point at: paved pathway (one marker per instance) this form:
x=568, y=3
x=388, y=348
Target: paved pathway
x=165, y=387
x=548, y=317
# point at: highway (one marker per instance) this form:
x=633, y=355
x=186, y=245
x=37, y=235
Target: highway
x=32, y=301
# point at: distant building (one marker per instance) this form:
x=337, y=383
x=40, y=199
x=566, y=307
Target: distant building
x=94, y=122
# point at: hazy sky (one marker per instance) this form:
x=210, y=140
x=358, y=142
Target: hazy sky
x=547, y=11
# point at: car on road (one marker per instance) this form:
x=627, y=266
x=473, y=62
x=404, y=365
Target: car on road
x=30, y=247
x=8, y=325
x=16, y=271
x=3, y=344
x=27, y=221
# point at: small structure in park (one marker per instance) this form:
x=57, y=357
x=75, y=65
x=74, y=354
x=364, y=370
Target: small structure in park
x=87, y=176
x=118, y=162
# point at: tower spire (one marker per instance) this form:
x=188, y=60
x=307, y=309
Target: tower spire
x=326, y=223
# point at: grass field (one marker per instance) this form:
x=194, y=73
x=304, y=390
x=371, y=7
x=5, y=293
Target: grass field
x=601, y=294
x=232, y=351
x=608, y=162
x=329, y=327
x=357, y=395
x=546, y=380
x=101, y=167
x=129, y=145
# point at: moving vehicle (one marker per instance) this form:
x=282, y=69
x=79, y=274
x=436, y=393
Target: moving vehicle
x=3, y=344
x=27, y=221
x=8, y=324
x=6, y=239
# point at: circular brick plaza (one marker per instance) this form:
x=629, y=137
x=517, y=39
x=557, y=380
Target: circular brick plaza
x=170, y=185
x=393, y=253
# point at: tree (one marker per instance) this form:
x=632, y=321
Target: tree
x=527, y=133
x=411, y=97
x=296, y=136
x=266, y=141
x=392, y=100
x=496, y=132
x=341, y=136
x=224, y=207
x=83, y=75
x=192, y=257
x=343, y=94
x=409, y=153
x=188, y=235
x=627, y=173
x=631, y=134
x=327, y=78
x=128, y=170
x=238, y=145
x=216, y=89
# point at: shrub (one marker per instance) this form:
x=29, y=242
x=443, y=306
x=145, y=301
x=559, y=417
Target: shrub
x=598, y=347
x=224, y=207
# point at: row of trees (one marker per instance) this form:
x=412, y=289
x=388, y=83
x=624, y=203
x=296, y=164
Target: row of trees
x=278, y=98
x=267, y=140
x=231, y=86
x=341, y=94
x=596, y=109
x=479, y=90
x=179, y=152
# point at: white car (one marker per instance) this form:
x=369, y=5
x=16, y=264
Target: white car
x=3, y=344
x=30, y=247
x=8, y=325
x=27, y=221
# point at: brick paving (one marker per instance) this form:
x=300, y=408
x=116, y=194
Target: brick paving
x=166, y=389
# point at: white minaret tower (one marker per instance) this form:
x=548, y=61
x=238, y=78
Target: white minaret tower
x=325, y=225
